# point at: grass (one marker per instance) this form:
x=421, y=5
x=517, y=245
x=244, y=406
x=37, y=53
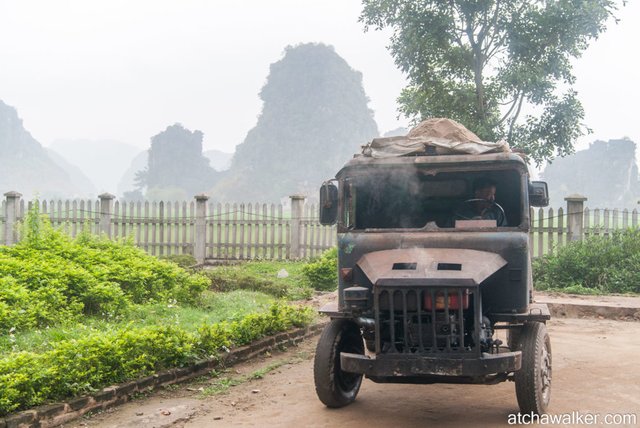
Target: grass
x=214, y=308
x=263, y=276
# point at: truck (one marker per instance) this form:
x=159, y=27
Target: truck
x=427, y=295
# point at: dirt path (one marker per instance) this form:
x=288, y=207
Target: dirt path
x=595, y=371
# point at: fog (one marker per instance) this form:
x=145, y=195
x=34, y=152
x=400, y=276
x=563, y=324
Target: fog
x=122, y=70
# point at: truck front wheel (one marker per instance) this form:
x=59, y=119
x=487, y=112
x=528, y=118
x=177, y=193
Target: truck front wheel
x=337, y=388
x=533, y=380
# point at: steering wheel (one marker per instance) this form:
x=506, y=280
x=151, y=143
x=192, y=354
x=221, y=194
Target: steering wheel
x=494, y=207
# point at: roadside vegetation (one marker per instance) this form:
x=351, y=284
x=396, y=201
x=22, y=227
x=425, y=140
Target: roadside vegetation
x=595, y=265
x=80, y=314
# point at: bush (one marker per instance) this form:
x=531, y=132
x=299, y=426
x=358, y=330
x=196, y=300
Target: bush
x=74, y=367
x=323, y=273
x=595, y=265
x=262, y=276
x=185, y=261
x=50, y=278
x=234, y=279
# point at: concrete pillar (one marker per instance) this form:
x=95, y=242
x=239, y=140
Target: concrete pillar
x=106, y=210
x=297, y=202
x=575, y=217
x=200, y=246
x=12, y=211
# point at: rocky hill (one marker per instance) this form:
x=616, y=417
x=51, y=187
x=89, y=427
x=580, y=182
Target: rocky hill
x=176, y=168
x=314, y=118
x=606, y=173
x=218, y=160
x=26, y=167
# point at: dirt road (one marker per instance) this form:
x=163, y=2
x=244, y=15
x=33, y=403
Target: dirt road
x=596, y=371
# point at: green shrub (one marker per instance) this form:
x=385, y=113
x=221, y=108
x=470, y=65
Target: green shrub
x=183, y=260
x=74, y=367
x=224, y=279
x=595, y=265
x=50, y=278
x=323, y=273
x=262, y=276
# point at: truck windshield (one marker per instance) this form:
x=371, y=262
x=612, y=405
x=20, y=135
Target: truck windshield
x=396, y=199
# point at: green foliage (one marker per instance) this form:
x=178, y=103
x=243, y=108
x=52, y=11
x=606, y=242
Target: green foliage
x=50, y=278
x=483, y=63
x=323, y=273
x=110, y=313
x=183, y=260
x=596, y=265
x=213, y=308
x=315, y=116
x=74, y=367
x=262, y=276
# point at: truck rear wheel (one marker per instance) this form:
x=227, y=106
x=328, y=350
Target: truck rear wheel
x=337, y=388
x=533, y=380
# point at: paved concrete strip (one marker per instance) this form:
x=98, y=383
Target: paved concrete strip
x=609, y=307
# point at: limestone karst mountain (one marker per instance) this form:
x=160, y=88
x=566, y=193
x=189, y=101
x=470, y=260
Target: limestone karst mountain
x=314, y=118
x=26, y=167
x=176, y=167
x=606, y=173
x=219, y=160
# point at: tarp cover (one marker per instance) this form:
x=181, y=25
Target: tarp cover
x=444, y=136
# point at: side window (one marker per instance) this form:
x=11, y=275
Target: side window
x=349, y=204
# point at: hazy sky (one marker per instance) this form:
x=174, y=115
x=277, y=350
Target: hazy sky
x=124, y=70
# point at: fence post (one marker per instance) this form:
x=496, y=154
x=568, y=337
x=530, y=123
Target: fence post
x=297, y=202
x=12, y=208
x=575, y=218
x=200, y=246
x=106, y=209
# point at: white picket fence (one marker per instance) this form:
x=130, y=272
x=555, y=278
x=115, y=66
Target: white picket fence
x=204, y=229
x=242, y=231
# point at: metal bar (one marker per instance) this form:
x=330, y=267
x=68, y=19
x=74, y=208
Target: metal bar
x=378, y=319
x=447, y=320
x=433, y=320
x=478, y=314
x=419, y=302
x=392, y=327
x=404, y=321
x=460, y=319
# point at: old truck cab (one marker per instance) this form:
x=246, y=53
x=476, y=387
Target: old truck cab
x=430, y=267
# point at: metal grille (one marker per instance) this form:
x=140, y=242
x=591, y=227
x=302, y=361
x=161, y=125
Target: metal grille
x=404, y=323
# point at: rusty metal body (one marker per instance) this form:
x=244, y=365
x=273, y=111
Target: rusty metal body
x=428, y=297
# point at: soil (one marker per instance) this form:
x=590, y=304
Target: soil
x=595, y=370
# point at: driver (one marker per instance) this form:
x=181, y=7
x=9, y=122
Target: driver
x=483, y=205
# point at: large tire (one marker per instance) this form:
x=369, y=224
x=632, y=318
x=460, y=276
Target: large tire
x=533, y=380
x=336, y=388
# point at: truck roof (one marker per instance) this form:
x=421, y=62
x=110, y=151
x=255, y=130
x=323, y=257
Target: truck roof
x=361, y=161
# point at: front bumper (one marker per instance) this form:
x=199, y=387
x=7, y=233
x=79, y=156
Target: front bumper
x=400, y=365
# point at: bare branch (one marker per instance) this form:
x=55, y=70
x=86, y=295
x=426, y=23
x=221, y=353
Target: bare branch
x=492, y=26
x=515, y=117
x=514, y=102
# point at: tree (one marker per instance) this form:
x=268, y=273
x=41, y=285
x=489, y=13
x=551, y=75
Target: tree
x=485, y=63
x=176, y=166
x=314, y=118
